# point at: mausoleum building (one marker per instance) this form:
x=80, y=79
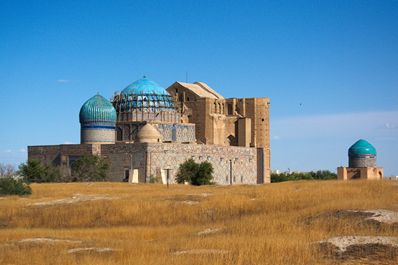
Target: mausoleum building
x=361, y=163
x=146, y=131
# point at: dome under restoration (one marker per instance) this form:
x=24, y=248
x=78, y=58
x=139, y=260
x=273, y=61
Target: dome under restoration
x=144, y=86
x=97, y=109
x=362, y=147
x=143, y=95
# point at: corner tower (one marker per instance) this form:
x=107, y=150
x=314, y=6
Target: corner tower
x=98, y=121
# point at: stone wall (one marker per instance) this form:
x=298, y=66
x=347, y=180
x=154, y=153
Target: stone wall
x=61, y=155
x=125, y=157
x=232, y=164
x=53, y=154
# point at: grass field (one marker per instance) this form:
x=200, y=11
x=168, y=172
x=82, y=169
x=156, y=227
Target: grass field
x=118, y=223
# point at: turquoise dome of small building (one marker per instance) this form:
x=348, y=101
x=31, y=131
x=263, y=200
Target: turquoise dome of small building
x=362, y=147
x=144, y=86
x=97, y=109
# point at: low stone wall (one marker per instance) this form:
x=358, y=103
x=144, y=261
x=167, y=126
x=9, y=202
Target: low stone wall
x=232, y=164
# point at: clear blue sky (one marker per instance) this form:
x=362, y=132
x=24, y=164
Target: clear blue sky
x=330, y=68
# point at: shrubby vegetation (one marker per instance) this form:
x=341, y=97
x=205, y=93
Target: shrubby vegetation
x=7, y=170
x=11, y=183
x=12, y=186
x=90, y=168
x=86, y=168
x=195, y=173
x=35, y=171
x=312, y=175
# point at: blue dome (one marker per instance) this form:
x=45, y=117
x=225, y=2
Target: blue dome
x=362, y=147
x=144, y=86
x=97, y=109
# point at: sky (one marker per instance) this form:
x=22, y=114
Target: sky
x=330, y=68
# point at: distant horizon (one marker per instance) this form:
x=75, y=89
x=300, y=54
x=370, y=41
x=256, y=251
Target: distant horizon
x=329, y=68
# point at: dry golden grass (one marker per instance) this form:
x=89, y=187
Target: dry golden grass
x=146, y=224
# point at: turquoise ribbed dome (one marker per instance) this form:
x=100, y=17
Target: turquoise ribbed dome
x=362, y=147
x=144, y=86
x=97, y=109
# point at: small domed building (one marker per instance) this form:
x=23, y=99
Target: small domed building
x=361, y=163
x=146, y=131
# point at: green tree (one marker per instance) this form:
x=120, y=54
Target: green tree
x=11, y=186
x=187, y=171
x=194, y=173
x=324, y=174
x=204, y=175
x=90, y=168
x=35, y=171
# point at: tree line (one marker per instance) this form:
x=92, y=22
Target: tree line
x=312, y=175
x=16, y=182
x=94, y=168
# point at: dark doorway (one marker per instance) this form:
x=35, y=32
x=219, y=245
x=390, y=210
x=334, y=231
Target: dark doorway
x=126, y=175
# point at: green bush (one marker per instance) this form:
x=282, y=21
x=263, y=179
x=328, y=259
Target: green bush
x=155, y=179
x=35, y=171
x=312, y=175
x=187, y=171
x=195, y=173
x=11, y=186
x=89, y=168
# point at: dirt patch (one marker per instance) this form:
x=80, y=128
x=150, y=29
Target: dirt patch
x=189, y=202
x=376, y=248
x=336, y=214
x=376, y=218
x=203, y=194
x=47, y=240
x=379, y=215
x=209, y=231
x=74, y=199
x=3, y=223
x=201, y=252
x=189, y=199
x=39, y=241
x=91, y=250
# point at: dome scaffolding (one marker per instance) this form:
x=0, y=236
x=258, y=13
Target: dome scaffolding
x=144, y=100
